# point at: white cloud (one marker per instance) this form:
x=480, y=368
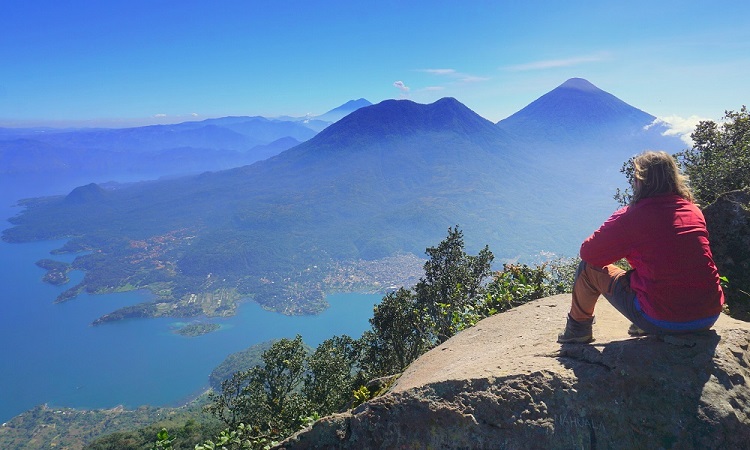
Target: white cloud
x=555, y=63
x=440, y=71
x=401, y=86
x=160, y=115
x=456, y=78
x=473, y=79
x=678, y=126
x=456, y=75
x=194, y=114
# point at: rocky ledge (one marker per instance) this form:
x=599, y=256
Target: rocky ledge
x=507, y=384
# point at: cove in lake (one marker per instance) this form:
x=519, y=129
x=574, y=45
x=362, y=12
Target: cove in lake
x=52, y=354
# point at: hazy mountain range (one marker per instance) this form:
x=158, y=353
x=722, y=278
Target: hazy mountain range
x=384, y=179
x=158, y=150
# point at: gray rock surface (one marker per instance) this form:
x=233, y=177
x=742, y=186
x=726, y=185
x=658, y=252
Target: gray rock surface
x=507, y=384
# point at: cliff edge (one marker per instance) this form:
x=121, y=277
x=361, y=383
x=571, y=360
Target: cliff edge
x=506, y=384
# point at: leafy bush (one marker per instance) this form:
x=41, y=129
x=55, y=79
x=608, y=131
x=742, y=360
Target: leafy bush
x=183, y=434
x=330, y=377
x=719, y=160
x=517, y=284
x=163, y=440
x=266, y=398
x=397, y=336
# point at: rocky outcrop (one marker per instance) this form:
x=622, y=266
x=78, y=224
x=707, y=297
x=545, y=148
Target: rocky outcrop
x=728, y=223
x=507, y=384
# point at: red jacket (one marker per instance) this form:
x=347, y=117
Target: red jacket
x=665, y=240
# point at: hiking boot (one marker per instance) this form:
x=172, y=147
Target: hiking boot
x=576, y=332
x=635, y=330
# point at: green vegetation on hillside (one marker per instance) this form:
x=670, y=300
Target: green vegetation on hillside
x=194, y=272
x=46, y=427
x=237, y=362
x=57, y=271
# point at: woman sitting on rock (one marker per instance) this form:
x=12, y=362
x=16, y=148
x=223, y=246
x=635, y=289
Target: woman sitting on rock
x=674, y=284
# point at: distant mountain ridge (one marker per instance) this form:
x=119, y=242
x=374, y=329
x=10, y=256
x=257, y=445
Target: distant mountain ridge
x=344, y=110
x=156, y=150
x=386, y=179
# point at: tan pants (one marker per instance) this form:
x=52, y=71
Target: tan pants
x=591, y=282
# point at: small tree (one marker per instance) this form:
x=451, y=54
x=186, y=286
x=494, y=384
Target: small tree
x=623, y=197
x=329, y=381
x=452, y=281
x=229, y=404
x=398, y=334
x=266, y=398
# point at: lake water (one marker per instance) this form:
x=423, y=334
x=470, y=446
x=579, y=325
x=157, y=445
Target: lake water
x=49, y=353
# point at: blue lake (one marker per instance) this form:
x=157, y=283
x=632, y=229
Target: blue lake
x=49, y=353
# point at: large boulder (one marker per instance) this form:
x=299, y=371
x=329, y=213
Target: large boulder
x=728, y=223
x=507, y=384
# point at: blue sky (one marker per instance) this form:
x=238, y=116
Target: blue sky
x=132, y=62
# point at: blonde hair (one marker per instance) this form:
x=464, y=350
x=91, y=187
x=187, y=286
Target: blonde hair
x=655, y=174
